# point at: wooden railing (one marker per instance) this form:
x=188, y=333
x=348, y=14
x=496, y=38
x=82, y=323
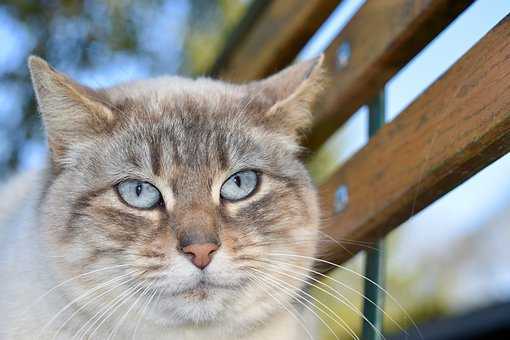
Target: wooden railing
x=458, y=126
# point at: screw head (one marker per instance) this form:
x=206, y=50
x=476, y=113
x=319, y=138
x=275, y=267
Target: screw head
x=341, y=198
x=343, y=54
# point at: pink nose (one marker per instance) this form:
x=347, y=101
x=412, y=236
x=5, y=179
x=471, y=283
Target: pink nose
x=201, y=254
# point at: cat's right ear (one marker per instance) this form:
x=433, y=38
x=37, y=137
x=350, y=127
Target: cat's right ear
x=289, y=96
x=70, y=112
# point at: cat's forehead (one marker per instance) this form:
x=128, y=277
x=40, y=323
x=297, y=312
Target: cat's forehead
x=188, y=115
x=172, y=93
x=191, y=126
x=187, y=144
x=186, y=125
x=189, y=152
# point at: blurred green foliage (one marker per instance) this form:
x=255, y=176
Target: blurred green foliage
x=99, y=43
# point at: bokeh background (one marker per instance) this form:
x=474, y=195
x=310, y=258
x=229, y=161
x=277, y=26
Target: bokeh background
x=99, y=43
x=450, y=259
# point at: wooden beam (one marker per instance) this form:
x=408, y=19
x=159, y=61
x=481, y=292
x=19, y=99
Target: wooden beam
x=382, y=37
x=274, y=40
x=241, y=31
x=458, y=126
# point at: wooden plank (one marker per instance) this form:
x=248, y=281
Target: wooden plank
x=458, y=126
x=253, y=13
x=274, y=40
x=383, y=36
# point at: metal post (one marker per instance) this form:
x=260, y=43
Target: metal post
x=374, y=264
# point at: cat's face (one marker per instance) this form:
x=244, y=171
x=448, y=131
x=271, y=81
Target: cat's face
x=179, y=192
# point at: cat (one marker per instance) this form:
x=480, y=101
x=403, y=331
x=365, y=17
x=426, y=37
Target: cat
x=166, y=210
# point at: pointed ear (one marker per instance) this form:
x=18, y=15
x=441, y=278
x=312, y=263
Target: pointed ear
x=291, y=94
x=70, y=112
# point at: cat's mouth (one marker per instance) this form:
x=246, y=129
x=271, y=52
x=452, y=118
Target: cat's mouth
x=199, y=292
x=202, y=290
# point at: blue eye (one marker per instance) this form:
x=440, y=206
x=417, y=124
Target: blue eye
x=240, y=185
x=139, y=194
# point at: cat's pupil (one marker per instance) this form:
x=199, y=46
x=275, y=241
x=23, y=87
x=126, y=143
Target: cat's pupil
x=138, y=189
x=237, y=181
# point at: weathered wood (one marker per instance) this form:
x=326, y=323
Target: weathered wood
x=275, y=39
x=248, y=21
x=383, y=36
x=458, y=126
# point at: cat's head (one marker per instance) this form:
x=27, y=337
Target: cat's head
x=182, y=192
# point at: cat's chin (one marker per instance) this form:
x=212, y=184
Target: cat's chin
x=197, y=306
x=214, y=309
x=200, y=303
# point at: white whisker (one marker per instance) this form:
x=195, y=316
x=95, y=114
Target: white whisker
x=337, y=319
x=142, y=314
x=66, y=307
x=88, y=303
x=393, y=299
x=110, y=310
x=298, y=298
x=72, y=279
x=337, y=297
x=292, y=313
x=343, y=285
x=115, y=329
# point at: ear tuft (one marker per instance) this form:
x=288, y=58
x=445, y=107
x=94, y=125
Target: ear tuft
x=292, y=93
x=70, y=112
x=295, y=110
x=35, y=63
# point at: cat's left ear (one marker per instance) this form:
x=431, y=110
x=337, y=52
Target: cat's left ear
x=71, y=112
x=291, y=93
